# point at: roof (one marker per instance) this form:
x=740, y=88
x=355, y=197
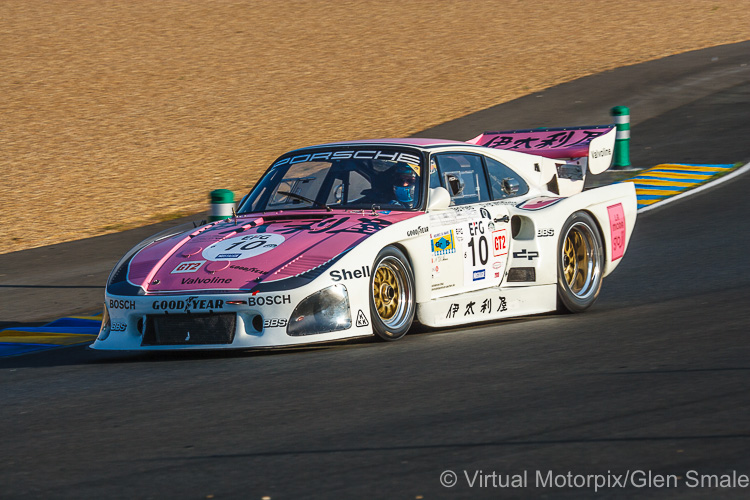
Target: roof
x=411, y=141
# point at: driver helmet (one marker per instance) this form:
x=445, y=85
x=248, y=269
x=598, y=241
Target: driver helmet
x=404, y=182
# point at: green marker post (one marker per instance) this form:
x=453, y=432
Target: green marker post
x=621, y=115
x=222, y=203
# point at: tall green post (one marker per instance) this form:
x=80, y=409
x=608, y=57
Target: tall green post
x=621, y=116
x=222, y=203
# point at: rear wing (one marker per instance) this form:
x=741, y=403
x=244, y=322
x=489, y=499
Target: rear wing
x=590, y=148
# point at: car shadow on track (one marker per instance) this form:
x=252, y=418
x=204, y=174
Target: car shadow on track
x=83, y=355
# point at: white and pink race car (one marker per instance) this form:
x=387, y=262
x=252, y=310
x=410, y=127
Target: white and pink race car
x=362, y=238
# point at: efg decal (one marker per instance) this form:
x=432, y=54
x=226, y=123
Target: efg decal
x=243, y=247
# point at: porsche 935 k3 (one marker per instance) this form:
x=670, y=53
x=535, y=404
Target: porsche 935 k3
x=362, y=238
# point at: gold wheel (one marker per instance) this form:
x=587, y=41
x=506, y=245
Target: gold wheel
x=576, y=260
x=386, y=291
x=392, y=295
x=581, y=263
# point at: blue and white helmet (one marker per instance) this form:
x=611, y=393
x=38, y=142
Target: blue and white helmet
x=404, y=182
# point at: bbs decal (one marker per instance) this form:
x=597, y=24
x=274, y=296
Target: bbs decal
x=541, y=233
x=274, y=322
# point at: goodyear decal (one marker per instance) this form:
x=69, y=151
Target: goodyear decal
x=443, y=243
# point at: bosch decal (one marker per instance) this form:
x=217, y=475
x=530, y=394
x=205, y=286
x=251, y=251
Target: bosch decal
x=269, y=300
x=121, y=304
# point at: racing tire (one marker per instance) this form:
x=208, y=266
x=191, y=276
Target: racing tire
x=392, y=296
x=580, y=263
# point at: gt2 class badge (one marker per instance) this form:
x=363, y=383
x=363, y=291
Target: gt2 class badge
x=188, y=266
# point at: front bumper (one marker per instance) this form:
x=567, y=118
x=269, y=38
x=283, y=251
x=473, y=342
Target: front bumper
x=226, y=321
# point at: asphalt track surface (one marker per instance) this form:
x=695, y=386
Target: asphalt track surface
x=653, y=378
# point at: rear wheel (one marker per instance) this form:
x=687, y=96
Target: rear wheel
x=392, y=298
x=580, y=263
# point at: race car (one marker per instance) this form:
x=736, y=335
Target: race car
x=363, y=238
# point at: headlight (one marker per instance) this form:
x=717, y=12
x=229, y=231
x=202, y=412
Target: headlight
x=106, y=326
x=322, y=312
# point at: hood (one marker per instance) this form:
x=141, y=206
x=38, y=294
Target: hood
x=243, y=253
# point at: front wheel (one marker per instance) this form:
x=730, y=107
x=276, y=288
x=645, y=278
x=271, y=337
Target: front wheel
x=392, y=297
x=580, y=263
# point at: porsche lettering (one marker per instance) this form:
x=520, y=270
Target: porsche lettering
x=346, y=155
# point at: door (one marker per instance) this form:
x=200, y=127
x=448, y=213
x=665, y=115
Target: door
x=470, y=239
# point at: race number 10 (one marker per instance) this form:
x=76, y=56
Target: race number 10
x=481, y=247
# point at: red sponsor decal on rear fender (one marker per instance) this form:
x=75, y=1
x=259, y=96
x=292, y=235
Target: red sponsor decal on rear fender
x=617, y=228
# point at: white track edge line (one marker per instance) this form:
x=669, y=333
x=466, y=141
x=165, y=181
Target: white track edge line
x=702, y=187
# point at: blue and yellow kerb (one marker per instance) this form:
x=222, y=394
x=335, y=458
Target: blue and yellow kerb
x=669, y=179
x=74, y=330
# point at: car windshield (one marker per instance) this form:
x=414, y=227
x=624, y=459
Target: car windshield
x=355, y=178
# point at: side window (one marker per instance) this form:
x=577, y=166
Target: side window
x=463, y=176
x=505, y=182
x=434, y=175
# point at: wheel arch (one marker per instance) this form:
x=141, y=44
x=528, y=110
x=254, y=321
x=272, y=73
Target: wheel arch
x=401, y=306
x=602, y=234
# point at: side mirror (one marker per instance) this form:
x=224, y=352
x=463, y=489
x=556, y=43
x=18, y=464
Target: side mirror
x=511, y=185
x=455, y=184
x=440, y=199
